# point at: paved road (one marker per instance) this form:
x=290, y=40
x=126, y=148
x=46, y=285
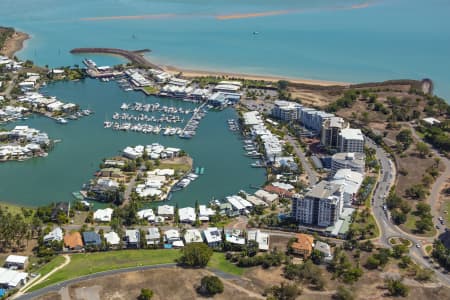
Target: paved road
x=387, y=228
x=312, y=176
x=9, y=88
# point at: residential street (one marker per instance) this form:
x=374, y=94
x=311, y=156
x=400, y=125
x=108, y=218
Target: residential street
x=312, y=175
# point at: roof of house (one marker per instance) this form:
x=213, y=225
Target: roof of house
x=132, y=235
x=187, y=214
x=266, y=196
x=152, y=233
x=54, y=235
x=304, y=242
x=166, y=210
x=323, y=247
x=212, y=235
x=92, y=238
x=261, y=237
x=16, y=259
x=73, y=240
x=11, y=278
x=103, y=215
x=112, y=238
x=172, y=234
x=278, y=190
x=193, y=236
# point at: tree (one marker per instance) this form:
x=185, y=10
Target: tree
x=195, y=255
x=423, y=209
x=146, y=294
x=372, y=263
x=284, y=291
x=396, y=287
x=210, y=285
x=423, y=149
x=405, y=138
x=424, y=224
x=399, y=250
x=342, y=293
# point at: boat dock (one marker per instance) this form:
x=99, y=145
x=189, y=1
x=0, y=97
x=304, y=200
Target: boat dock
x=191, y=126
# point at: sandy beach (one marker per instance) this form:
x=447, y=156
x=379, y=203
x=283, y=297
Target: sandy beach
x=199, y=73
x=14, y=44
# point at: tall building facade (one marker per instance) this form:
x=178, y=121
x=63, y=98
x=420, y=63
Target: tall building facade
x=321, y=206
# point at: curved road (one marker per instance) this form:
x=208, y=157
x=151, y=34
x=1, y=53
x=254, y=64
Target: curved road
x=387, y=228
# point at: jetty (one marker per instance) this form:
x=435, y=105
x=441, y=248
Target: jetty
x=135, y=56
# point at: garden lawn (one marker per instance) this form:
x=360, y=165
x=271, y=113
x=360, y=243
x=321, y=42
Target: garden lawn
x=89, y=263
x=219, y=262
x=45, y=269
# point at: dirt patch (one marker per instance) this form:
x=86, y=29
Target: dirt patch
x=50, y=296
x=166, y=283
x=14, y=44
x=185, y=160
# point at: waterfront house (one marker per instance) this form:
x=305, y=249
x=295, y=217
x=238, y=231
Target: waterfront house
x=132, y=237
x=267, y=197
x=205, y=213
x=112, y=239
x=262, y=238
x=92, y=239
x=59, y=208
x=281, y=192
x=54, y=235
x=239, y=204
x=17, y=261
x=103, y=215
x=193, y=236
x=111, y=172
x=255, y=201
x=12, y=279
x=73, y=241
x=146, y=214
x=166, y=211
x=187, y=215
x=153, y=236
x=303, y=245
x=226, y=209
x=212, y=236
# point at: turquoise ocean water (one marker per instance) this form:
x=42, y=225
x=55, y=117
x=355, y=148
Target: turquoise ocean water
x=341, y=40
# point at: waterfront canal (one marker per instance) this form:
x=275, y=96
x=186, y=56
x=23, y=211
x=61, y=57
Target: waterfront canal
x=85, y=142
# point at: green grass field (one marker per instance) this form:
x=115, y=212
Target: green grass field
x=89, y=263
x=219, y=262
x=14, y=209
x=410, y=226
x=45, y=269
x=151, y=89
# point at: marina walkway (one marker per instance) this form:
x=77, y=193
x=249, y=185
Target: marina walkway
x=136, y=57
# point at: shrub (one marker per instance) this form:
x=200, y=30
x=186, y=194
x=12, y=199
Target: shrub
x=210, y=285
x=195, y=255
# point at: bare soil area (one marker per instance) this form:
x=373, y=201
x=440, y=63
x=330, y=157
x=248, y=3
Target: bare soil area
x=167, y=283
